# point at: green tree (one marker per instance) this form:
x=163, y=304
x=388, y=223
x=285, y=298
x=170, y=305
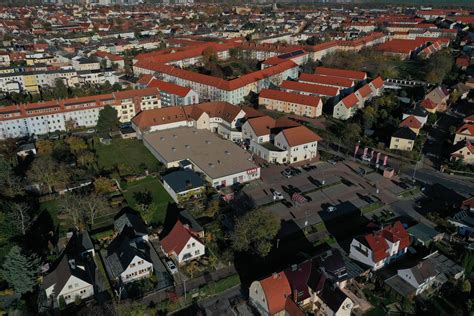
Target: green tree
x=251, y=99
x=76, y=144
x=432, y=117
x=351, y=133
x=107, y=121
x=44, y=147
x=20, y=270
x=254, y=232
x=85, y=158
x=144, y=199
x=438, y=66
x=103, y=185
x=369, y=115
x=209, y=55
x=5, y=172
x=60, y=89
x=117, y=86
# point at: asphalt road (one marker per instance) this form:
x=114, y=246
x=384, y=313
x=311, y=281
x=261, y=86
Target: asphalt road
x=462, y=185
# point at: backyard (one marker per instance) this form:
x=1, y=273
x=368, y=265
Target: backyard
x=126, y=156
x=228, y=70
x=154, y=210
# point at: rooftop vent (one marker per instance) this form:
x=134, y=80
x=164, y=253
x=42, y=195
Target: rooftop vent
x=208, y=141
x=175, y=136
x=187, y=146
x=173, y=149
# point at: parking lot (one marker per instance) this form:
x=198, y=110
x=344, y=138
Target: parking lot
x=340, y=185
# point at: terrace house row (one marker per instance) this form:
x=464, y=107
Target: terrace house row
x=61, y=115
x=167, y=66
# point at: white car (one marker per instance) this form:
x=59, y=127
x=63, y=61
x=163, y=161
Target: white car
x=277, y=195
x=331, y=209
x=172, y=267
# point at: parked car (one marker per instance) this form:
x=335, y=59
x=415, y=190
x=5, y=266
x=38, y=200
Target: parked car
x=277, y=196
x=171, y=266
x=295, y=171
x=308, y=167
x=287, y=173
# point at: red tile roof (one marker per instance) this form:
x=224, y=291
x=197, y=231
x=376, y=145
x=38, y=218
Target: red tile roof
x=64, y=105
x=377, y=82
x=300, y=135
x=161, y=116
x=411, y=122
x=327, y=80
x=463, y=61
x=395, y=233
x=377, y=242
x=168, y=87
x=177, y=239
x=109, y=56
x=262, y=125
x=378, y=245
x=215, y=81
x=173, y=114
x=290, y=97
x=466, y=129
x=350, y=101
x=365, y=91
x=136, y=93
x=351, y=74
x=293, y=309
x=310, y=88
x=298, y=277
x=277, y=289
x=428, y=104
x=469, y=119
x=145, y=79
x=403, y=46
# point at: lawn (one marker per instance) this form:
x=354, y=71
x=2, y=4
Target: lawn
x=213, y=288
x=156, y=213
x=130, y=155
x=53, y=208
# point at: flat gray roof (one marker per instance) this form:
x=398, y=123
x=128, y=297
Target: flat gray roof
x=400, y=286
x=216, y=157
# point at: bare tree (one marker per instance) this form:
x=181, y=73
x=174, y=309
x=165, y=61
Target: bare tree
x=94, y=204
x=21, y=216
x=47, y=172
x=71, y=206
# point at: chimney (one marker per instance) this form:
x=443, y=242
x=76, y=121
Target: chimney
x=188, y=184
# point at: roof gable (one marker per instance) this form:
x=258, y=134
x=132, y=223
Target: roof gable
x=277, y=289
x=300, y=135
x=177, y=239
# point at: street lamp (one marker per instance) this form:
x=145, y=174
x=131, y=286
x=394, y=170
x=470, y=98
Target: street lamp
x=420, y=162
